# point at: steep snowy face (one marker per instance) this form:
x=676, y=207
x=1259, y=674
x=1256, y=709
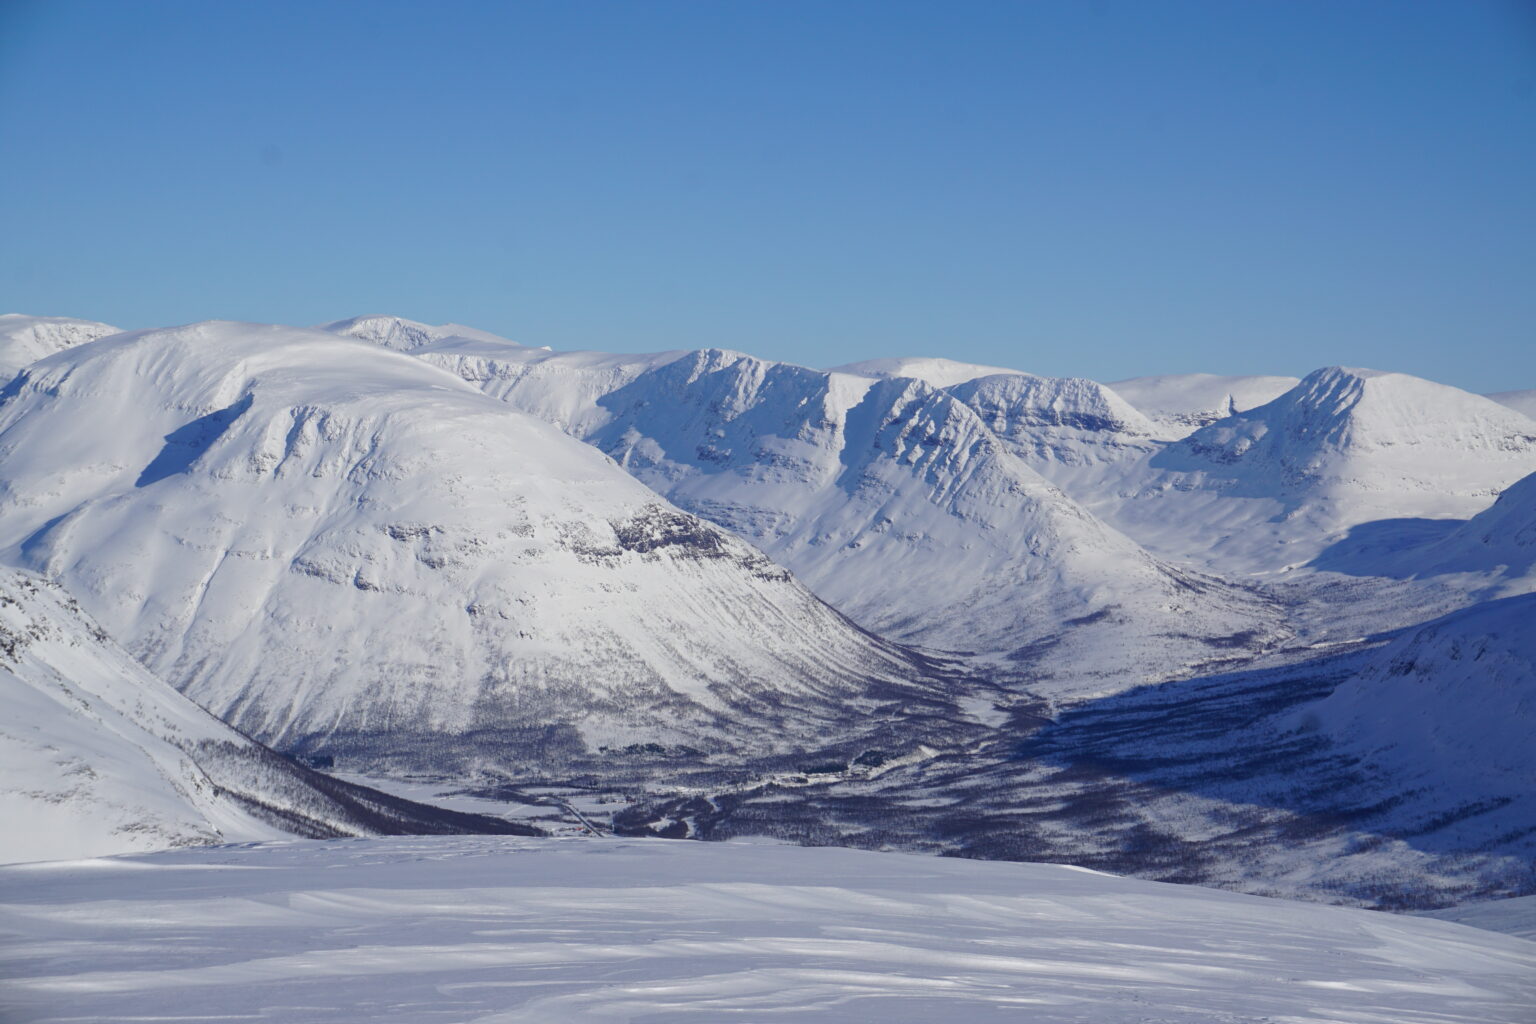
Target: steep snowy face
x=24, y=339
x=1492, y=554
x=1500, y=540
x=1049, y=421
x=1448, y=706
x=940, y=373
x=1183, y=402
x=91, y=762
x=330, y=544
x=98, y=757
x=562, y=388
x=891, y=499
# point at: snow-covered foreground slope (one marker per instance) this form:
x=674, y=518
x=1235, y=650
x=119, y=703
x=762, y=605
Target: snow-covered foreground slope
x=25, y=339
x=98, y=757
x=1181, y=403
x=1515, y=916
x=566, y=931
x=338, y=547
x=890, y=498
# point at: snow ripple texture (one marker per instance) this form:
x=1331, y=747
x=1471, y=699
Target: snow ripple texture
x=570, y=931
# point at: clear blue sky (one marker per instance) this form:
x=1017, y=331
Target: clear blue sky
x=1102, y=189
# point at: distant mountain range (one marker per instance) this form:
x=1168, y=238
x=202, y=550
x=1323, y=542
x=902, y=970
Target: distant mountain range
x=688, y=580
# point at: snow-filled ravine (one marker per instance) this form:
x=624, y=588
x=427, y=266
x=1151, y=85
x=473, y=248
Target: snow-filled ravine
x=571, y=930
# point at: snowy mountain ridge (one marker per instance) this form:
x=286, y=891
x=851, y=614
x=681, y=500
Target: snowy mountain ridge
x=295, y=496
x=26, y=339
x=1181, y=403
x=624, y=579
x=859, y=484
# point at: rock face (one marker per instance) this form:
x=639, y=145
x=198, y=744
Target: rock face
x=890, y=498
x=336, y=547
x=25, y=339
x=98, y=757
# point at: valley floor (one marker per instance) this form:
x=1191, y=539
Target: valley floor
x=567, y=930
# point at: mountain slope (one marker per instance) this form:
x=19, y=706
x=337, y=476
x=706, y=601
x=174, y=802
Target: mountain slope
x=932, y=370
x=404, y=335
x=1443, y=714
x=1491, y=554
x=1181, y=403
x=865, y=487
x=1274, y=486
x=591, y=932
x=338, y=547
x=1051, y=422
x=1520, y=401
x=97, y=756
x=25, y=339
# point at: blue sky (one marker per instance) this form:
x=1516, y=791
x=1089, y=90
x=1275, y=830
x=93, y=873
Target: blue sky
x=1100, y=189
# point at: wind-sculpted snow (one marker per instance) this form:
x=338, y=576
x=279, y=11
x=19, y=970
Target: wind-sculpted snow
x=340, y=548
x=26, y=339
x=572, y=931
x=98, y=757
x=864, y=486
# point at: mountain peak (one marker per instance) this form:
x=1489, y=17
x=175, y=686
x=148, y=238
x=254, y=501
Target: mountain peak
x=932, y=370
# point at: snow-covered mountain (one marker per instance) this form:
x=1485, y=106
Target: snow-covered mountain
x=1275, y=486
x=405, y=335
x=862, y=486
x=1052, y=422
x=594, y=931
x=338, y=547
x=1448, y=706
x=940, y=373
x=1180, y=403
x=25, y=339
x=97, y=756
x=1492, y=554
x=1520, y=401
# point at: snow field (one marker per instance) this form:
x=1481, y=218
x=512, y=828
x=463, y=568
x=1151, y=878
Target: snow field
x=569, y=930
